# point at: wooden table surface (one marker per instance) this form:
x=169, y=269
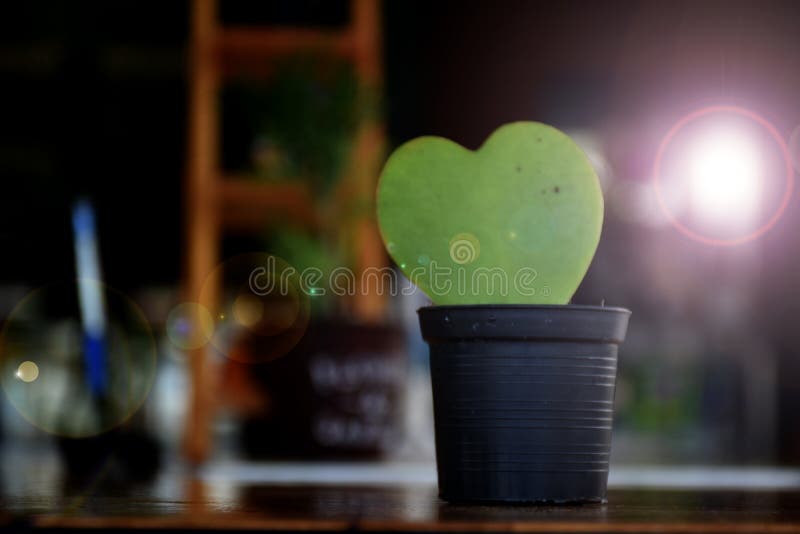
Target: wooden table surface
x=192, y=505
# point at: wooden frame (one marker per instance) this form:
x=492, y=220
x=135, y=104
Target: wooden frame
x=214, y=203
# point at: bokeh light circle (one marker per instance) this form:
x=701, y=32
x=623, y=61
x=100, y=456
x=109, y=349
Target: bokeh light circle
x=773, y=134
x=46, y=371
x=248, y=310
x=260, y=309
x=28, y=371
x=190, y=326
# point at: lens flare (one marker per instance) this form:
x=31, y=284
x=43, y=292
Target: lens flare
x=46, y=361
x=248, y=310
x=190, y=326
x=726, y=180
x=268, y=309
x=28, y=371
x=794, y=148
x=728, y=174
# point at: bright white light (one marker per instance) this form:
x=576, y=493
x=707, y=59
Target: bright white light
x=725, y=181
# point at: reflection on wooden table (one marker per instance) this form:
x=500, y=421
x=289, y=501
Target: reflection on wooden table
x=223, y=500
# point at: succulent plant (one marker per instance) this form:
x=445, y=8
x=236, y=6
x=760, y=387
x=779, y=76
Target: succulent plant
x=515, y=222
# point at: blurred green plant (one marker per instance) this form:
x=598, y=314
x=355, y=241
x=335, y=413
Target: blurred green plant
x=305, y=119
x=304, y=251
x=663, y=397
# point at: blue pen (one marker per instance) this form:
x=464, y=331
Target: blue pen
x=90, y=297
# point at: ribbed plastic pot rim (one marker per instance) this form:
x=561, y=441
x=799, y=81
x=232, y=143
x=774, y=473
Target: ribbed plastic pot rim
x=570, y=322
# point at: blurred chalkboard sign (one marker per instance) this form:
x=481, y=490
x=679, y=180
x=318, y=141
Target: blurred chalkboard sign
x=338, y=393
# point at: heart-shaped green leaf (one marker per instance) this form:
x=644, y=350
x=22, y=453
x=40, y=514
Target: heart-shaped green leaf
x=516, y=221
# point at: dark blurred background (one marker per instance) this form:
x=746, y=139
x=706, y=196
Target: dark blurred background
x=95, y=104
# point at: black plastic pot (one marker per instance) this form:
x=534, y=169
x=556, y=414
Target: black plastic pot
x=523, y=400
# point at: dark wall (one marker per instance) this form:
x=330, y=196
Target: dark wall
x=461, y=68
x=93, y=103
x=93, y=95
